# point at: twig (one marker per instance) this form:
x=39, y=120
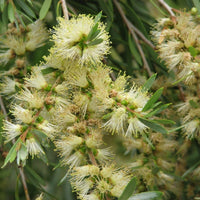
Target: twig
x=130, y=28
x=3, y=108
x=64, y=8
x=21, y=171
x=23, y=178
x=141, y=35
x=167, y=8
x=24, y=134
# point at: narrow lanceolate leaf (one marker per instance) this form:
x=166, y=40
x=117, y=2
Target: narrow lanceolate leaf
x=194, y=104
x=147, y=196
x=164, y=121
x=20, y=19
x=93, y=32
x=128, y=191
x=35, y=175
x=12, y=153
x=153, y=125
x=191, y=169
x=45, y=8
x=26, y=16
x=95, y=42
x=98, y=17
x=149, y=83
x=157, y=110
x=134, y=51
x=30, y=2
x=26, y=8
x=152, y=100
x=5, y=15
x=58, y=9
x=11, y=12
x=148, y=141
x=48, y=70
x=2, y=4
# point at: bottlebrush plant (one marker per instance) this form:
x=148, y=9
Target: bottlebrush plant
x=94, y=110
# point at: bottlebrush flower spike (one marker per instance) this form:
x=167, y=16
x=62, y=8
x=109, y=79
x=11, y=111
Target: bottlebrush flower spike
x=81, y=38
x=178, y=45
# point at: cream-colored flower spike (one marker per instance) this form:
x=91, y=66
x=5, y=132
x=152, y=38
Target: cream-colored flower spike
x=37, y=35
x=178, y=45
x=75, y=40
x=11, y=130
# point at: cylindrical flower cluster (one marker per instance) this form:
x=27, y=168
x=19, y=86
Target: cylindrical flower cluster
x=178, y=44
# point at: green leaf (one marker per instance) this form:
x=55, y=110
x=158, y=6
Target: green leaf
x=11, y=12
x=157, y=110
x=149, y=83
x=194, y=104
x=107, y=116
x=1, y=127
x=12, y=154
x=157, y=104
x=21, y=20
x=164, y=121
x=58, y=9
x=175, y=129
x=26, y=8
x=93, y=32
x=98, y=17
x=197, y=5
x=45, y=8
x=57, y=166
x=148, y=141
x=48, y=70
x=107, y=7
x=181, y=79
x=153, y=56
x=132, y=15
x=194, y=52
x=34, y=175
x=128, y=191
x=146, y=195
x=153, y=125
x=2, y=4
x=5, y=15
x=134, y=50
x=64, y=178
x=191, y=169
x=152, y=100
x=95, y=42
x=157, y=7
x=30, y=2
x=26, y=16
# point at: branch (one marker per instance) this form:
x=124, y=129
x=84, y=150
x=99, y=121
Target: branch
x=130, y=28
x=64, y=8
x=23, y=178
x=141, y=35
x=21, y=171
x=167, y=8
